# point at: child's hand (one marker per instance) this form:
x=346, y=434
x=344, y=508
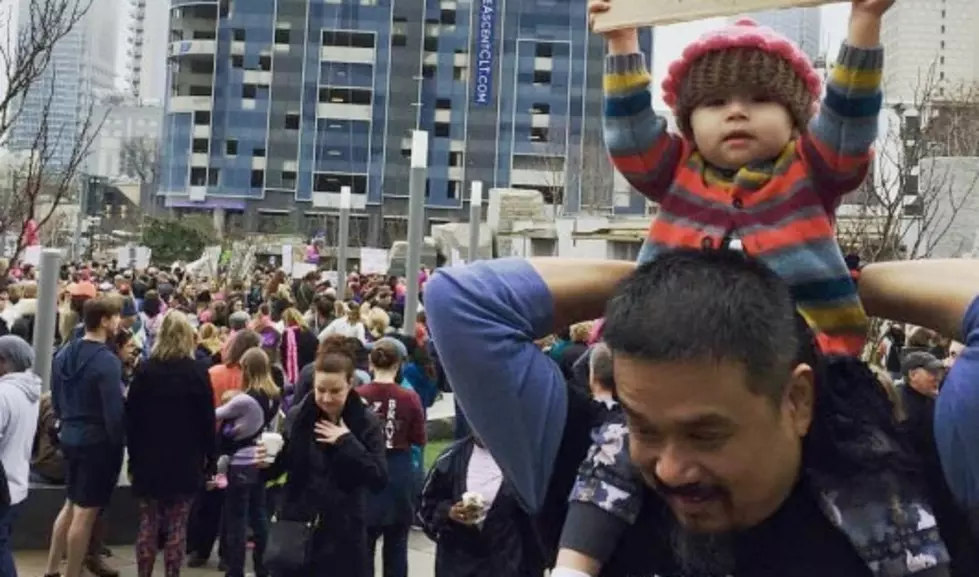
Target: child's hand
x=871, y=7
x=624, y=41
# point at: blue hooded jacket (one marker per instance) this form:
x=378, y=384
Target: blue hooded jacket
x=86, y=392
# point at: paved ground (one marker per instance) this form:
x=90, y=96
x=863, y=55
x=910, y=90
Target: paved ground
x=421, y=561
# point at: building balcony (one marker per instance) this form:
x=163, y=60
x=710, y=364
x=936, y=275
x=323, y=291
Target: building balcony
x=347, y=54
x=189, y=104
x=344, y=111
x=192, y=48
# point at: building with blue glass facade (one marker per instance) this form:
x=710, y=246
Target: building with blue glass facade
x=274, y=105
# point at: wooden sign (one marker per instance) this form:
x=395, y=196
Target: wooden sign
x=641, y=13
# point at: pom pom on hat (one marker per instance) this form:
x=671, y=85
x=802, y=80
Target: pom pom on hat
x=742, y=54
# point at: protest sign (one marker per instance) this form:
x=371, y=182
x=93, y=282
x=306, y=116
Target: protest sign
x=641, y=13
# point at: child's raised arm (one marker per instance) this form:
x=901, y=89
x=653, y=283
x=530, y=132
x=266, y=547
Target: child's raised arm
x=838, y=145
x=639, y=144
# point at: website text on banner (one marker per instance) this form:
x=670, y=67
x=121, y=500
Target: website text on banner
x=638, y=13
x=484, y=53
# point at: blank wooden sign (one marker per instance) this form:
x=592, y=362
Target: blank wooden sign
x=640, y=13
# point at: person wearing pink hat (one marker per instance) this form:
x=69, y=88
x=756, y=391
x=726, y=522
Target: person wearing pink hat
x=759, y=164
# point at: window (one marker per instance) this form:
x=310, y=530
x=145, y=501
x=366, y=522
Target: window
x=346, y=96
x=237, y=61
x=231, y=148
x=292, y=121
x=198, y=176
x=289, y=179
x=447, y=17
x=441, y=130
x=249, y=91
x=460, y=73
x=199, y=145
x=443, y=104
x=399, y=33
x=540, y=108
x=428, y=71
x=544, y=50
x=542, y=77
x=258, y=178
x=431, y=44
x=452, y=189
x=202, y=117
x=281, y=35
x=455, y=159
x=214, y=177
x=258, y=153
x=348, y=39
x=538, y=134
x=265, y=63
x=202, y=67
x=238, y=35
x=334, y=181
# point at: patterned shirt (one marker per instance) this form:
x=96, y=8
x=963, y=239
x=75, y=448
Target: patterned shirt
x=781, y=210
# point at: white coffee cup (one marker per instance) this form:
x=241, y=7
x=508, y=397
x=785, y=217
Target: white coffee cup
x=273, y=443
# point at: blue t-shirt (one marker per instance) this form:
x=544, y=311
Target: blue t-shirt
x=957, y=417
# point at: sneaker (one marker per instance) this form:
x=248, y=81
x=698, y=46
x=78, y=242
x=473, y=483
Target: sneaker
x=98, y=567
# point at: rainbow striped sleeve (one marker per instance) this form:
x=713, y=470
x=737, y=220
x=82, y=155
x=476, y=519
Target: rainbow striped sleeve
x=838, y=146
x=641, y=147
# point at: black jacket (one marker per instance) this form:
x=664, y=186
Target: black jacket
x=327, y=484
x=505, y=546
x=170, y=428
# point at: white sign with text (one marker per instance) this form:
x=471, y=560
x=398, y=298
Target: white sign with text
x=640, y=13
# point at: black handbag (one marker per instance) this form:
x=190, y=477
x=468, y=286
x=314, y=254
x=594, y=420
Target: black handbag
x=289, y=545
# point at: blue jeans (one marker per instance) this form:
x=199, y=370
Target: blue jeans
x=7, y=567
x=394, y=551
x=244, y=507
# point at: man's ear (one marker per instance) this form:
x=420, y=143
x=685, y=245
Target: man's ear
x=800, y=398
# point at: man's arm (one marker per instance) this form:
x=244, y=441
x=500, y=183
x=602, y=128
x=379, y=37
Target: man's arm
x=484, y=318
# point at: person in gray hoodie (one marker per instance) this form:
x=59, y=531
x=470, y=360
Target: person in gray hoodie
x=20, y=392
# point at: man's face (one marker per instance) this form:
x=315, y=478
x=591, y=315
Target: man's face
x=926, y=381
x=110, y=325
x=723, y=457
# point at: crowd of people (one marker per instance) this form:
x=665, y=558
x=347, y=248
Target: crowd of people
x=331, y=385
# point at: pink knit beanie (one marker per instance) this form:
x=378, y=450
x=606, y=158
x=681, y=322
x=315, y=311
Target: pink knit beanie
x=743, y=56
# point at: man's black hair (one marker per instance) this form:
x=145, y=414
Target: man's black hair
x=714, y=306
x=725, y=305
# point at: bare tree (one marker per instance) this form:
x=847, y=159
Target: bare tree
x=584, y=167
x=50, y=151
x=925, y=179
x=139, y=158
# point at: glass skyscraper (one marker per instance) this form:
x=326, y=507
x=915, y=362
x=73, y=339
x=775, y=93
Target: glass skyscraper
x=274, y=106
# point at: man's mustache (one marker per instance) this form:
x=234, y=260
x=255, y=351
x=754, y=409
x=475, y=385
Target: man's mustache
x=688, y=491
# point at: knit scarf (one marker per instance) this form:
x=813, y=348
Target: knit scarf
x=292, y=356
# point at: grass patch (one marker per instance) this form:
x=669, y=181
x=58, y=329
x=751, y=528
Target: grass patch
x=433, y=449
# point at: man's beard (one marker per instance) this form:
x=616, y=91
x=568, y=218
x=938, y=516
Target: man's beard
x=703, y=554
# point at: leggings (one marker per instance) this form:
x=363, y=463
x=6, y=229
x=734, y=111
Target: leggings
x=169, y=518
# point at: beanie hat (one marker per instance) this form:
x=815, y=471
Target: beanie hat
x=746, y=56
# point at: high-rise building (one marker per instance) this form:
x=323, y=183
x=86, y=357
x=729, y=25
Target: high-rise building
x=275, y=105
x=801, y=25
x=148, y=42
x=81, y=70
x=932, y=48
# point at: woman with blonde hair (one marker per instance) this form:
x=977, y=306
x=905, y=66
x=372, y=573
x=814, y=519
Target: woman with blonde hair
x=167, y=463
x=244, y=417
x=298, y=345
